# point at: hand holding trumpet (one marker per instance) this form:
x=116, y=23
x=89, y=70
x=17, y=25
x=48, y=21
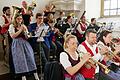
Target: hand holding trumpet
x=92, y=62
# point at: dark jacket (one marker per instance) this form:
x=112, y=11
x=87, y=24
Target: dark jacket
x=53, y=71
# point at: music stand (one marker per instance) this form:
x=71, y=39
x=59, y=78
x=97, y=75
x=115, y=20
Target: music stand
x=69, y=30
x=39, y=34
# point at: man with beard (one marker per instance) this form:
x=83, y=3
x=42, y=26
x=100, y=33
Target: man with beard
x=89, y=46
x=5, y=40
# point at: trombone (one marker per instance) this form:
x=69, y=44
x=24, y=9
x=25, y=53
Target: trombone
x=91, y=60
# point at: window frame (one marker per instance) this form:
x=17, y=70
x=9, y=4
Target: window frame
x=102, y=10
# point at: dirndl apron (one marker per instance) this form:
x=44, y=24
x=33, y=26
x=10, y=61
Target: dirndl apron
x=23, y=56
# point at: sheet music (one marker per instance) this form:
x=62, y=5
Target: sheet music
x=69, y=30
x=41, y=31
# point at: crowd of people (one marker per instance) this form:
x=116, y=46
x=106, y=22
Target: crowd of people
x=84, y=53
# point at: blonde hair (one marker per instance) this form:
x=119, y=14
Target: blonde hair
x=67, y=38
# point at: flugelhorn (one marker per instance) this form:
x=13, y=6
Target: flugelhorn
x=110, y=53
x=91, y=60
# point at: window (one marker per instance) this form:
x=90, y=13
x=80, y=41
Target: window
x=111, y=7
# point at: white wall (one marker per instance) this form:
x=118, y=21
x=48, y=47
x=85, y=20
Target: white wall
x=92, y=8
x=40, y=4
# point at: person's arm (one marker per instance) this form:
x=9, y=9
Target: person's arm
x=67, y=65
x=12, y=32
x=30, y=28
x=81, y=49
x=73, y=69
x=2, y=22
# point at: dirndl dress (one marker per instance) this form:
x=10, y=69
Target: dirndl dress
x=23, y=56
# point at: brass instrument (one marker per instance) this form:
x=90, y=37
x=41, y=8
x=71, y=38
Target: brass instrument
x=100, y=24
x=102, y=65
x=91, y=60
x=78, y=21
x=17, y=8
x=111, y=54
x=15, y=11
x=31, y=6
x=60, y=34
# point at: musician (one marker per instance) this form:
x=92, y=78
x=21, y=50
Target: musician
x=70, y=59
x=105, y=40
x=22, y=52
x=55, y=43
x=39, y=30
x=68, y=25
x=82, y=26
x=89, y=45
x=59, y=21
x=49, y=9
x=5, y=40
x=61, y=15
x=104, y=45
x=49, y=17
x=93, y=24
x=26, y=13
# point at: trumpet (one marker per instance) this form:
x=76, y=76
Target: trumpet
x=102, y=65
x=91, y=60
x=111, y=54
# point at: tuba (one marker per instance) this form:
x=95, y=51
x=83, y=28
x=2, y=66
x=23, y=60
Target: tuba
x=15, y=11
x=17, y=8
x=32, y=6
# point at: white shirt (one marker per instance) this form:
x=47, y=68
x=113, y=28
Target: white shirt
x=81, y=48
x=11, y=29
x=2, y=20
x=96, y=56
x=41, y=32
x=64, y=59
x=79, y=28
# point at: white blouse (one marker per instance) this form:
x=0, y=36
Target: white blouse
x=64, y=59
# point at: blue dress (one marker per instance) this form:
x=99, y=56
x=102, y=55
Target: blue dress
x=23, y=55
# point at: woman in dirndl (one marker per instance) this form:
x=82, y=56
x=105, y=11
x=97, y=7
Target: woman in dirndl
x=22, y=52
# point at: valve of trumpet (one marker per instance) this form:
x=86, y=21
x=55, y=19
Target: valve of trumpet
x=107, y=71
